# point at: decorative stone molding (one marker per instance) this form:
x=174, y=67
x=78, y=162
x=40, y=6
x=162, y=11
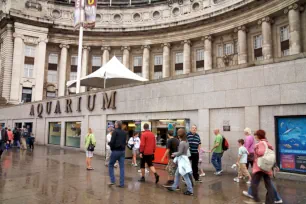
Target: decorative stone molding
x=171, y=2
x=166, y=45
x=31, y=40
x=126, y=48
x=105, y=48
x=186, y=42
x=33, y=5
x=207, y=37
x=146, y=46
x=41, y=39
x=243, y=28
x=86, y=48
x=294, y=6
x=265, y=19
x=18, y=35
x=64, y=46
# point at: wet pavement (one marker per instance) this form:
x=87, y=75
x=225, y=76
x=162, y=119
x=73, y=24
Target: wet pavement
x=52, y=175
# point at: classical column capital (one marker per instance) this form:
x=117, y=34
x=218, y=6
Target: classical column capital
x=265, y=19
x=166, y=45
x=126, y=48
x=64, y=46
x=105, y=48
x=146, y=46
x=243, y=28
x=18, y=35
x=31, y=40
x=86, y=48
x=186, y=42
x=207, y=37
x=41, y=39
x=294, y=6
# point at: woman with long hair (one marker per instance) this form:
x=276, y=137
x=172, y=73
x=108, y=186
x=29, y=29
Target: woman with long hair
x=90, y=141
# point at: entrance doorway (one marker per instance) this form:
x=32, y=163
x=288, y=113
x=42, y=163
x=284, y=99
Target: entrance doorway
x=18, y=125
x=29, y=126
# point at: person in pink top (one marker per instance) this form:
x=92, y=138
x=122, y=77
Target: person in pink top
x=10, y=137
x=259, y=151
x=249, y=144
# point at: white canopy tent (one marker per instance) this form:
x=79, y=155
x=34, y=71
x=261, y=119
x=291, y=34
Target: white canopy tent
x=113, y=73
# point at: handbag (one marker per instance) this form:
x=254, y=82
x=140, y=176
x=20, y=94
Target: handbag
x=251, y=157
x=91, y=147
x=267, y=161
x=130, y=145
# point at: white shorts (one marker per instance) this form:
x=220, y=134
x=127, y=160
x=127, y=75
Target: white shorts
x=89, y=154
x=136, y=151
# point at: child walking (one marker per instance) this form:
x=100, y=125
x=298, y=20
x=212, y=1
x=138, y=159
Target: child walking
x=201, y=162
x=136, y=142
x=241, y=162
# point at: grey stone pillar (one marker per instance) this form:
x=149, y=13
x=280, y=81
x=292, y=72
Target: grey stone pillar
x=7, y=61
x=84, y=71
x=18, y=61
x=266, y=37
x=105, y=56
x=146, y=62
x=166, y=59
x=126, y=56
x=294, y=28
x=62, y=70
x=186, y=55
x=40, y=68
x=207, y=52
x=242, y=45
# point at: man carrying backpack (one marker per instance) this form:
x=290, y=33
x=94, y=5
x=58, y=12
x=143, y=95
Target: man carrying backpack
x=217, y=150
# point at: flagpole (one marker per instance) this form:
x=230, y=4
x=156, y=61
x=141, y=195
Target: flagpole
x=80, y=47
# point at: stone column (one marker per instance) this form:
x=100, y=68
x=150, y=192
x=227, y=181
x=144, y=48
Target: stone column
x=294, y=28
x=266, y=37
x=18, y=61
x=166, y=59
x=84, y=71
x=40, y=68
x=186, y=55
x=105, y=56
x=146, y=61
x=62, y=70
x=7, y=61
x=207, y=52
x=126, y=56
x=242, y=45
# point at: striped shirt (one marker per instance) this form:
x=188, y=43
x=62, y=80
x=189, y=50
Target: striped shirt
x=194, y=142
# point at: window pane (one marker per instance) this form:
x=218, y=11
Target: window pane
x=26, y=95
x=179, y=58
x=55, y=133
x=137, y=61
x=96, y=61
x=73, y=75
x=28, y=70
x=158, y=60
x=29, y=51
x=51, y=94
x=53, y=59
x=228, y=49
x=257, y=41
x=220, y=51
x=284, y=33
x=52, y=76
x=74, y=60
x=158, y=75
x=200, y=55
x=73, y=134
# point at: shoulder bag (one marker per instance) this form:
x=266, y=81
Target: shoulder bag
x=267, y=161
x=90, y=147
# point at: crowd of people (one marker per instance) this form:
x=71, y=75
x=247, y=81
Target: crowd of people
x=185, y=158
x=20, y=138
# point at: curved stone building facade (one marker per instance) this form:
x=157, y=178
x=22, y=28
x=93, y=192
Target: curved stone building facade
x=212, y=61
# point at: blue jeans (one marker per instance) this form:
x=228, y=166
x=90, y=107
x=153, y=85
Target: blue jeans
x=116, y=156
x=216, y=161
x=186, y=178
x=276, y=195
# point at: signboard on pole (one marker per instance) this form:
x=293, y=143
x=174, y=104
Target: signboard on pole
x=90, y=13
x=77, y=13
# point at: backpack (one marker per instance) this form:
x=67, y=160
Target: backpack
x=225, y=144
x=267, y=161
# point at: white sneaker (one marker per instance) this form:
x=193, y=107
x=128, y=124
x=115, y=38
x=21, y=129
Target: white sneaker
x=202, y=175
x=219, y=173
x=248, y=182
x=279, y=201
x=247, y=194
x=147, y=171
x=236, y=180
x=135, y=165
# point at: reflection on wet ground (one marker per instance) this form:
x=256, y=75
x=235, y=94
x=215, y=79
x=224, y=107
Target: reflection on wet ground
x=51, y=175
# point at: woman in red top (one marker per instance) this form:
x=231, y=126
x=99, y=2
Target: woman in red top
x=260, y=148
x=10, y=137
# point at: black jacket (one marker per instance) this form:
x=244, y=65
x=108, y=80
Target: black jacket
x=17, y=135
x=4, y=136
x=118, y=140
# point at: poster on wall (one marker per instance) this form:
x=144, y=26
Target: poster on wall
x=291, y=143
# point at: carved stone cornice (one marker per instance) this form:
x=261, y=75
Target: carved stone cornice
x=146, y=46
x=186, y=42
x=126, y=48
x=294, y=6
x=31, y=40
x=166, y=45
x=45, y=40
x=265, y=19
x=64, y=46
x=243, y=28
x=105, y=48
x=33, y=5
x=18, y=35
x=207, y=37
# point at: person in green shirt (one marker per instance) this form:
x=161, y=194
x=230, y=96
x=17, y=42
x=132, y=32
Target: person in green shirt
x=90, y=138
x=217, y=150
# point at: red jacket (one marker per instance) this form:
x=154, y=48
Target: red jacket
x=147, y=143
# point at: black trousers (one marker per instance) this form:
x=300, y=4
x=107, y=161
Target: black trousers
x=194, y=164
x=255, y=182
x=249, y=163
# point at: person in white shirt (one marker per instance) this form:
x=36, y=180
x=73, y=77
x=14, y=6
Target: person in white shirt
x=136, y=142
x=241, y=163
x=108, y=150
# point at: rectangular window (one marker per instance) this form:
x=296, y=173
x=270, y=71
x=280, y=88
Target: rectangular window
x=28, y=70
x=220, y=51
x=74, y=60
x=55, y=133
x=53, y=59
x=284, y=39
x=51, y=94
x=26, y=95
x=200, y=60
x=96, y=63
x=258, y=55
x=74, y=67
x=52, y=68
x=138, y=65
x=52, y=76
x=29, y=51
x=228, y=48
x=179, y=59
x=158, y=66
x=73, y=134
x=73, y=75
